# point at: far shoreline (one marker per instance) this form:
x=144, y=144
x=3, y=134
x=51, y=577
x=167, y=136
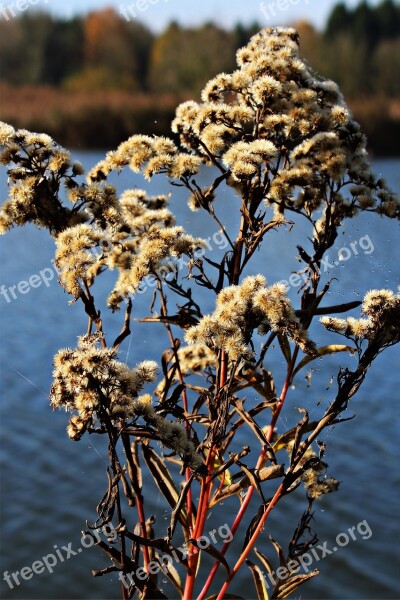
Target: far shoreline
x=93, y=120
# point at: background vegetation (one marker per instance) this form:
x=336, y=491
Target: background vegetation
x=102, y=78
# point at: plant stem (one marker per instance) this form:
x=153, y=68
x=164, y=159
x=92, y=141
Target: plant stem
x=282, y=398
x=205, y=491
x=252, y=541
x=164, y=313
x=142, y=521
x=251, y=489
x=123, y=547
x=236, y=269
x=138, y=498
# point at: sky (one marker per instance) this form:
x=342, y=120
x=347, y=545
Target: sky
x=158, y=13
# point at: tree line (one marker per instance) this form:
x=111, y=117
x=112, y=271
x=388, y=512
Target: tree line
x=359, y=48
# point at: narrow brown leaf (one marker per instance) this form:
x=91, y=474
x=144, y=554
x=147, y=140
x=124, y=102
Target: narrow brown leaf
x=136, y=463
x=165, y=359
x=332, y=349
x=253, y=479
x=293, y=583
x=285, y=347
x=169, y=570
x=259, y=581
x=238, y=404
x=163, y=479
x=265, y=561
x=233, y=458
x=299, y=433
x=254, y=523
x=285, y=439
x=271, y=472
x=176, y=513
x=279, y=551
x=212, y=551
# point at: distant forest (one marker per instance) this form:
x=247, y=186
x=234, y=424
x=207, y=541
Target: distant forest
x=100, y=66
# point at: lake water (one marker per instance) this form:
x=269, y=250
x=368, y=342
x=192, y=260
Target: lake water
x=50, y=485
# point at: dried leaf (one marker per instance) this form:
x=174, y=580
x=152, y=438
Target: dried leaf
x=200, y=401
x=288, y=436
x=252, y=413
x=106, y=507
x=265, y=561
x=279, y=551
x=212, y=551
x=303, y=532
x=169, y=570
x=263, y=383
x=223, y=467
x=254, y=524
x=259, y=581
x=253, y=479
x=329, y=310
x=269, y=385
x=332, y=349
x=163, y=479
x=293, y=583
x=299, y=433
x=160, y=544
x=137, y=474
x=177, y=512
x=238, y=404
x=285, y=347
x=170, y=405
x=165, y=359
x=176, y=394
x=271, y=472
x=151, y=592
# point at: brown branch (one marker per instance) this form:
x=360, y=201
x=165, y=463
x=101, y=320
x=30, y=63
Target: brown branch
x=93, y=314
x=126, y=330
x=329, y=310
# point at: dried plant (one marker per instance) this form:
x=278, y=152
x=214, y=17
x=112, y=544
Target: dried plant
x=284, y=141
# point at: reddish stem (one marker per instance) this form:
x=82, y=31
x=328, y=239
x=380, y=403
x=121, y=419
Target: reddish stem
x=251, y=542
x=223, y=375
x=139, y=501
x=205, y=491
x=142, y=521
x=250, y=491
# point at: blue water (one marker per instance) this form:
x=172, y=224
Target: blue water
x=50, y=485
